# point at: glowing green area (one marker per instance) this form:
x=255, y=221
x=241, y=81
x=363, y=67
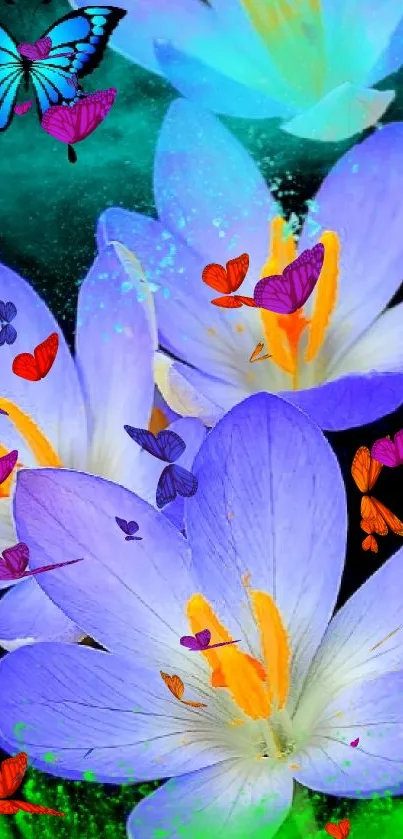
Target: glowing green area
x=100, y=812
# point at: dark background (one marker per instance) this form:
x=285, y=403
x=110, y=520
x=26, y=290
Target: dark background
x=48, y=212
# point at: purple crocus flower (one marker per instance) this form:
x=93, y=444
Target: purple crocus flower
x=341, y=358
x=262, y=562
x=74, y=418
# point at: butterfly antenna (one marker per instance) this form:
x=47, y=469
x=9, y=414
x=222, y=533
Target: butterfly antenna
x=71, y=154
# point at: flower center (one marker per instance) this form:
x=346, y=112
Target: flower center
x=35, y=439
x=293, y=34
x=258, y=687
x=283, y=333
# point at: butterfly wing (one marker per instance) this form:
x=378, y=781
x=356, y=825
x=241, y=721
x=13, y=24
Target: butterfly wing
x=45, y=354
x=372, y=516
x=229, y=279
x=345, y=826
x=234, y=302
x=146, y=440
x=392, y=521
x=12, y=771
x=166, y=490
x=11, y=75
x=27, y=807
x=185, y=482
x=10, y=334
x=24, y=365
x=370, y=544
x=174, y=683
x=203, y=637
x=7, y=464
x=190, y=642
x=384, y=451
x=334, y=830
x=10, y=311
x=215, y=276
x=398, y=441
x=84, y=35
x=171, y=444
x=16, y=558
x=365, y=469
x=273, y=293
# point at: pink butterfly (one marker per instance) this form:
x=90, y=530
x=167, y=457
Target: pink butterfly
x=354, y=743
x=387, y=452
x=285, y=293
x=40, y=49
x=14, y=561
x=23, y=108
x=72, y=123
x=201, y=641
x=7, y=463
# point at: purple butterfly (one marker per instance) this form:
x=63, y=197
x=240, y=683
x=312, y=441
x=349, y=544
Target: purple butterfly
x=7, y=313
x=130, y=528
x=285, y=293
x=387, y=452
x=167, y=446
x=14, y=561
x=7, y=463
x=201, y=641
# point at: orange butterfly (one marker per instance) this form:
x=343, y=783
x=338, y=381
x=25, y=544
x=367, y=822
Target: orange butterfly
x=340, y=830
x=258, y=349
x=35, y=367
x=12, y=772
x=176, y=686
x=227, y=280
x=376, y=518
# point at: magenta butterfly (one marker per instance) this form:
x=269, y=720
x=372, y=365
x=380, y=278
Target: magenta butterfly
x=389, y=452
x=129, y=528
x=40, y=49
x=14, y=562
x=285, y=293
x=167, y=446
x=7, y=463
x=72, y=123
x=23, y=108
x=201, y=641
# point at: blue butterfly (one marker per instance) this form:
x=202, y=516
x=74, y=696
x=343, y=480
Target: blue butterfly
x=78, y=41
x=167, y=446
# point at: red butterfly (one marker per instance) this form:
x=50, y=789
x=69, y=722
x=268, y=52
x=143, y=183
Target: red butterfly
x=227, y=280
x=12, y=772
x=35, y=367
x=340, y=830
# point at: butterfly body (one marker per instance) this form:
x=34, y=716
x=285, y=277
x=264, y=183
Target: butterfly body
x=12, y=771
x=73, y=46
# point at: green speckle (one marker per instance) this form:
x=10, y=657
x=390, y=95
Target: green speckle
x=50, y=757
x=88, y=775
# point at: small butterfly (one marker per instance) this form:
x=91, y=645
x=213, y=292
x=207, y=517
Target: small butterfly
x=72, y=123
x=376, y=518
x=14, y=561
x=7, y=313
x=285, y=293
x=23, y=108
x=130, y=528
x=167, y=446
x=7, y=464
x=35, y=367
x=200, y=641
x=256, y=352
x=340, y=830
x=12, y=771
x=354, y=743
x=73, y=46
x=387, y=452
x=227, y=280
x=177, y=688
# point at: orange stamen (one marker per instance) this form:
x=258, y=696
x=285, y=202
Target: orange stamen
x=40, y=446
